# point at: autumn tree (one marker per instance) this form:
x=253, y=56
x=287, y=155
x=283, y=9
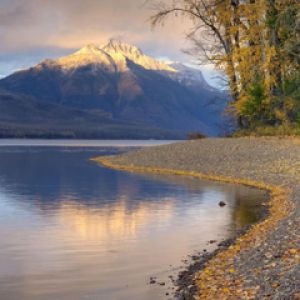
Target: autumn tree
x=256, y=43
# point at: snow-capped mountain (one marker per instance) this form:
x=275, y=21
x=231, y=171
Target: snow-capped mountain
x=116, y=84
x=113, y=56
x=119, y=51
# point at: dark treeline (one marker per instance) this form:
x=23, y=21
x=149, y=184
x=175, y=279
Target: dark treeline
x=84, y=132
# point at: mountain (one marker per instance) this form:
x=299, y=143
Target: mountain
x=110, y=91
x=189, y=77
x=24, y=116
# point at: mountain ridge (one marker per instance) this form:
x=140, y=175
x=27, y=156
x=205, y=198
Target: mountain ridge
x=123, y=83
x=112, y=55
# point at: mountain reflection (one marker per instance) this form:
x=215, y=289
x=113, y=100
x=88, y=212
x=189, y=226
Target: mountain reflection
x=114, y=221
x=64, y=180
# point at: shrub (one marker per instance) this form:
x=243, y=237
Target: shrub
x=195, y=135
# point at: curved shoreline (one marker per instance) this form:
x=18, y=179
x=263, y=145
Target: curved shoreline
x=223, y=276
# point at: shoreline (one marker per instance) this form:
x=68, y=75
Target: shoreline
x=223, y=274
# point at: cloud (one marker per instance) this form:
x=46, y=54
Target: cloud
x=67, y=24
x=33, y=30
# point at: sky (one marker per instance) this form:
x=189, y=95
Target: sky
x=33, y=30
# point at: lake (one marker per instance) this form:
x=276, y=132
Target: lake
x=72, y=229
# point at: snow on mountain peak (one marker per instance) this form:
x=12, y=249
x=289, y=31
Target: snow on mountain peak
x=88, y=49
x=88, y=55
x=113, y=56
x=121, y=47
x=117, y=49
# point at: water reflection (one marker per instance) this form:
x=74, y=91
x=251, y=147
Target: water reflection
x=73, y=230
x=113, y=222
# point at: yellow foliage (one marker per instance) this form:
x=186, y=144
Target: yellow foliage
x=280, y=114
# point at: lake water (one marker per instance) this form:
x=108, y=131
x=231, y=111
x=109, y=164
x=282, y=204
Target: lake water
x=71, y=229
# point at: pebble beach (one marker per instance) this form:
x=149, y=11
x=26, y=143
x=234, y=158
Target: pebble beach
x=263, y=262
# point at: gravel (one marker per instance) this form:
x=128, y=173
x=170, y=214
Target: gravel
x=270, y=268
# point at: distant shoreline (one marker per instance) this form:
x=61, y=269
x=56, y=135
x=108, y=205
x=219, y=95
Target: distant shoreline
x=89, y=137
x=240, y=268
x=82, y=143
